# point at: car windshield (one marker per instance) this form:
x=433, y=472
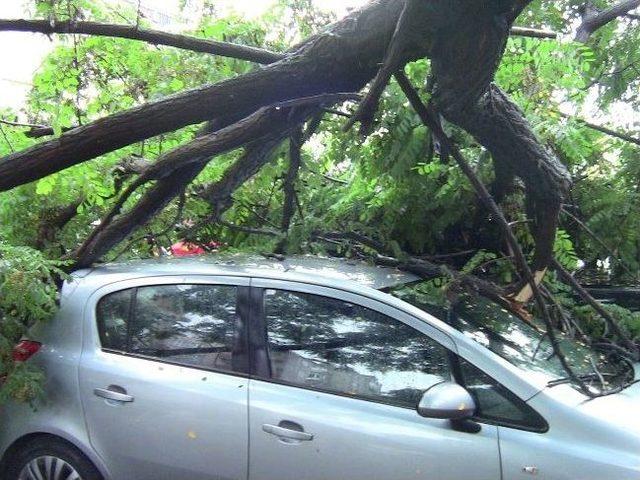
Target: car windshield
x=523, y=344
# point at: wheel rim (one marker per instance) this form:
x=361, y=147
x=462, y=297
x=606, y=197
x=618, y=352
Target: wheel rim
x=48, y=468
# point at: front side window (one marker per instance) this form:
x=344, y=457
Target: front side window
x=192, y=325
x=328, y=344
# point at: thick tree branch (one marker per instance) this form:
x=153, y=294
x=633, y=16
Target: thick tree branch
x=404, y=40
x=156, y=37
x=176, y=169
x=432, y=122
x=220, y=194
x=593, y=19
x=343, y=58
x=499, y=125
x=532, y=33
x=198, y=151
x=43, y=131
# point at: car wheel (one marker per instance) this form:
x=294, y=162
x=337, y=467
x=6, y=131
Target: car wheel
x=49, y=459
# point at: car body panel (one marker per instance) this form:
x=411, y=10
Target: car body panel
x=360, y=440
x=183, y=423
x=354, y=438
x=589, y=439
x=308, y=268
x=60, y=413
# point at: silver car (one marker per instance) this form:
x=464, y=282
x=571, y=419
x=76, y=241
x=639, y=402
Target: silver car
x=308, y=368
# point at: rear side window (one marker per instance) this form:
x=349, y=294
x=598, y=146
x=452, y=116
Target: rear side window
x=113, y=316
x=192, y=325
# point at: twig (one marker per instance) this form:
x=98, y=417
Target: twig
x=6, y=139
x=599, y=128
x=20, y=124
x=289, y=185
x=337, y=112
x=249, y=230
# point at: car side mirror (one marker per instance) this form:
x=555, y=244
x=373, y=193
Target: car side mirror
x=447, y=400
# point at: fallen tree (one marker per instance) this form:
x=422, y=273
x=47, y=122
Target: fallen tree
x=257, y=111
x=344, y=58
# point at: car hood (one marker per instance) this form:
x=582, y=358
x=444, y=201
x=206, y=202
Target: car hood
x=620, y=409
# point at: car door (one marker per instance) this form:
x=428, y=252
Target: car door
x=163, y=378
x=337, y=395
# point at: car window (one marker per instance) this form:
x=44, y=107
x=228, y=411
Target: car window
x=495, y=404
x=522, y=343
x=193, y=325
x=113, y=317
x=328, y=344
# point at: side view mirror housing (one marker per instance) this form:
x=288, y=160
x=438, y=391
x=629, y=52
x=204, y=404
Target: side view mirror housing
x=447, y=400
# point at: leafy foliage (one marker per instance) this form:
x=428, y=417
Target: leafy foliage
x=395, y=187
x=28, y=294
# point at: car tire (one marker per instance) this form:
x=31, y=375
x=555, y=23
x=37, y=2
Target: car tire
x=54, y=459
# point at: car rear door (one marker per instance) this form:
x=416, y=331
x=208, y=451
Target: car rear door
x=163, y=378
x=335, y=396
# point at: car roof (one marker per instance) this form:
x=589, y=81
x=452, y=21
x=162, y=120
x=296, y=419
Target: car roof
x=310, y=267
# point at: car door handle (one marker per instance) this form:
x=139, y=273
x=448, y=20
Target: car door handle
x=112, y=393
x=287, y=433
